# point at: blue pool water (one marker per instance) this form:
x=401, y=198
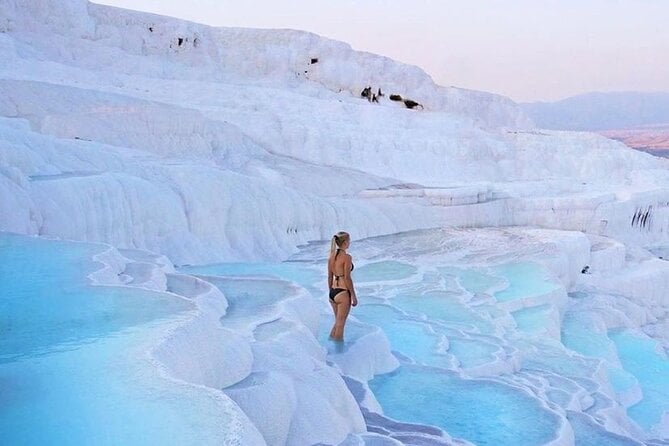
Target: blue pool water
x=385, y=270
x=620, y=380
x=443, y=307
x=411, y=338
x=642, y=357
x=471, y=353
x=474, y=280
x=445, y=400
x=74, y=367
x=579, y=335
x=250, y=299
x=524, y=279
x=476, y=410
x=48, y=306
x=589, y=433
x=533, y=319
x=430, y=321
x=416, y=319
x=303, y=273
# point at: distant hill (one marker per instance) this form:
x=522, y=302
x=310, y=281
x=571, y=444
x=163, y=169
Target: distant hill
x=653, y=139
x=601, y=111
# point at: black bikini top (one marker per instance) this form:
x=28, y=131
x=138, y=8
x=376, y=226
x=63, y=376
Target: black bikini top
x=352, y=266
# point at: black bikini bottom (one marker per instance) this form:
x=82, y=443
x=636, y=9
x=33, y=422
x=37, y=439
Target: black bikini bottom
x=335, y=291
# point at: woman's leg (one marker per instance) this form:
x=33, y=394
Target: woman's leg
x=343, y=301
x=334, y=310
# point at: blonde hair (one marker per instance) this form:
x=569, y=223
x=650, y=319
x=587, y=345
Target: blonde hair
x=338, y=240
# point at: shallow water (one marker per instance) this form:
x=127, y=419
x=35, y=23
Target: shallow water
x=524, y=280
x=476, y=410
x=409, y=337
x=385, y=270
x=474, y=280
x=442, y=322
x=581, y=336
x=433, y=324
x=445, y=307
x=302, y=273
x=74, y=364
x=445, y=320
x=472, y=353
x=533, y=319
x=643, y=358
x=589, y=433
x=48, y=305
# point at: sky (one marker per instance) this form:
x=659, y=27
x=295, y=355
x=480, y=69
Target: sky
x=528, y=50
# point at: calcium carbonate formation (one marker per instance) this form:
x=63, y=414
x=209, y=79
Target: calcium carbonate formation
x=203, y=145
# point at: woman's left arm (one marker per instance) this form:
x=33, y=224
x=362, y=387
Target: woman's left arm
x=347, y=273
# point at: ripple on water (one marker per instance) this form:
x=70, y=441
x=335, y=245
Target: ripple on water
x=444, y=307
x=550, y=357
x=580, y=334
x=589, y=433
x=385, y=270
x=533, y=319
x=411, y=338
x=476, y=410
x=472, y=353
x=250, y=300
x=524, y=279
x=305, y=274
x=474, y=280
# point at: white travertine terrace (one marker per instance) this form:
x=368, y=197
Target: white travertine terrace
x=203, y=145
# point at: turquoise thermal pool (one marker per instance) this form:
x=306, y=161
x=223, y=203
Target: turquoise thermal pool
x=75, y=366
x=81, y=358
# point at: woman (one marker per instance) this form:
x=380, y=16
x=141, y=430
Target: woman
x=342, y=293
